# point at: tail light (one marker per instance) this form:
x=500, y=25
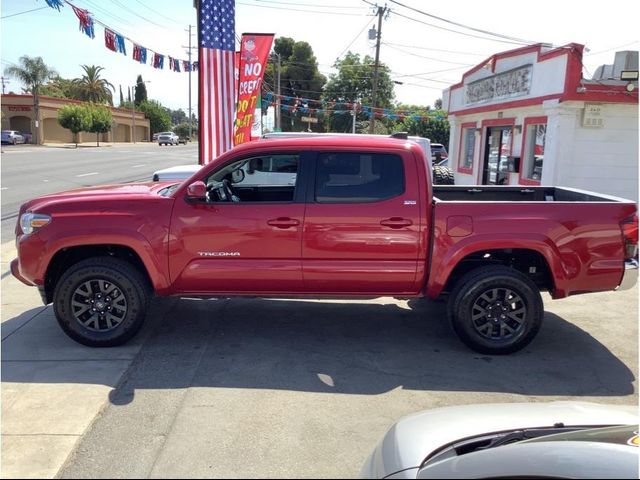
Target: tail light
x=630, y=235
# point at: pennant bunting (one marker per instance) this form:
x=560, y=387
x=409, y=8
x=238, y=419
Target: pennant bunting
x=110, y=39
x=139, y=54
x=120, y=44
x=158, y=61
x=54, y=4
x=186, y=66
x=86, y=21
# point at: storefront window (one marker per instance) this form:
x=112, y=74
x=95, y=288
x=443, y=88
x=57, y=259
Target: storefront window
x=534, y=151
x=468, y=147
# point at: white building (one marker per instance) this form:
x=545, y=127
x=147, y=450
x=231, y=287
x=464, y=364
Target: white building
x=527, y=117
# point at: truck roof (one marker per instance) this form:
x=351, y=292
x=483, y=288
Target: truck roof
x=337, y=141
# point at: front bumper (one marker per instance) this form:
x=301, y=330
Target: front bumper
x=15, y=271
x=630, y=276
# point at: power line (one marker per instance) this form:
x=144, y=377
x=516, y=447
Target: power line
x=427, y=58
x=486, y=32
x=136, y=14
x=299, y=10
x=22, y=13
x=455, y=31
x=609, y=49
x=305, y=4
x=437, y=49
x=172, y=20
x=355, y=38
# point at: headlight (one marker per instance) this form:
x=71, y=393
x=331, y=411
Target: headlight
x=30, y=222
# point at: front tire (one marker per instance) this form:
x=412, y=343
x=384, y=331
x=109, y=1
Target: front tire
x=101, y=301
x=495, y=310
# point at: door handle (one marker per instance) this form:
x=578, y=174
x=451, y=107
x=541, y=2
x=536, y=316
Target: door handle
x=396, y=222
x=283, y=222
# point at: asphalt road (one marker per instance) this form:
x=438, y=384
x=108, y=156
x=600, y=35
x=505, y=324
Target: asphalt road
x=29, y=171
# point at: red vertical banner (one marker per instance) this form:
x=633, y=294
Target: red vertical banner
x=254, y=53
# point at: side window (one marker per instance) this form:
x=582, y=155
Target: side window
x=270, y=178
x=468, y=147
x=358, y=177
x=534, y=151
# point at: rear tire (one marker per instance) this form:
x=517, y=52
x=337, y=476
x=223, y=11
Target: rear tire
x=495, y=310
x=101, y=301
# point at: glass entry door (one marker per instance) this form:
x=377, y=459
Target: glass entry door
x=496, y=153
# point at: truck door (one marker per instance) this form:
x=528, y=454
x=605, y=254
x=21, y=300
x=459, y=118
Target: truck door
x=245, y=238
x=362, y=224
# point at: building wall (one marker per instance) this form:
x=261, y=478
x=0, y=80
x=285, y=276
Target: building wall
x=603, y=159
x=18, y=114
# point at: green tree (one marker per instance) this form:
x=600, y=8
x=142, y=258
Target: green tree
x=435, y=128
x=177, y=116
x=182, y=130
x=121, y=98
x=140, y=91
x=354, y=84
x=60, y=87
x=33, y=72
x=158, y=117
x=299, y=77
x=76, y=118
x=101, y=120
x=92, y=88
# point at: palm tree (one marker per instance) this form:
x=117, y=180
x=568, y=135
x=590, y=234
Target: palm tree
x=33, y=72
x=92, y=88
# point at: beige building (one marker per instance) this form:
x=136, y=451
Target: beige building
x=18, y=114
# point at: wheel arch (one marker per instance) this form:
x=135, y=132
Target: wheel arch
x=66, y=257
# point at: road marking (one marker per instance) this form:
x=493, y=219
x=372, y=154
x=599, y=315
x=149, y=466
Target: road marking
x=45, y=180
x=4, y=188
x=88, y=174
x=137, y=166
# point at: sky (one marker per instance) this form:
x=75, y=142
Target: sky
x=425, y=54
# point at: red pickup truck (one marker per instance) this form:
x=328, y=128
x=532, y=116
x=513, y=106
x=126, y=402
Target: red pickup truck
x=359, y=219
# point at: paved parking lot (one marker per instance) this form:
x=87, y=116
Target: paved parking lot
x=279, y=388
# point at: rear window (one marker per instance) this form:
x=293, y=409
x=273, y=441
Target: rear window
x=358, y=177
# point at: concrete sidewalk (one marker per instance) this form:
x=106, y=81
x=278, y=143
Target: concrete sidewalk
x=52, y=387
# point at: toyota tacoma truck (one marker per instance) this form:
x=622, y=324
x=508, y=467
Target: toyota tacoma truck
x=360, y=219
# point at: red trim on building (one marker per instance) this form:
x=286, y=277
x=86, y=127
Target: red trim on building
x=520, y=51
x=499, y=122
x=468, y=171
x=506, y=105
x=528, y=121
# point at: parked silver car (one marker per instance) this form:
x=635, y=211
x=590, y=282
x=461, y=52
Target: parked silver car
x=168, y=138
x=521, y=440
x=12, y=137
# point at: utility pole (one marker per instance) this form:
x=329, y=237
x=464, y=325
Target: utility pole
x=189, y=48
x=4, y=84
x=372, y=119
x=353, y=113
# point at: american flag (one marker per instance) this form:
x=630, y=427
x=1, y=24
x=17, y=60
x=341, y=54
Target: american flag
x=217, y=85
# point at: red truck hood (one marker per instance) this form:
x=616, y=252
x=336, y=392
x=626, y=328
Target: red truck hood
x=102, y=192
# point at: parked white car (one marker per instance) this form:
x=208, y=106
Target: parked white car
x=12, y=137
x=517, y=440
x=257, y=171
x=168, y=138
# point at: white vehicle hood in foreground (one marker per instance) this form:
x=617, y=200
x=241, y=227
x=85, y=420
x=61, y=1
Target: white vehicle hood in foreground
x=181, y=172
x=415, y=437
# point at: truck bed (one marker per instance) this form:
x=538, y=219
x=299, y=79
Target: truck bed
x=484, y=193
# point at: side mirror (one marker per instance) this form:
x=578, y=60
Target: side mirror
x=197, y=191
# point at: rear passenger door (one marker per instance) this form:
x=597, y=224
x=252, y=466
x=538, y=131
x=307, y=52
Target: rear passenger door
x=362, y=224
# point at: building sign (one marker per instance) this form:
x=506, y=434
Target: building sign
x=592, y=116
x=513, y=83
x=19, y=108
